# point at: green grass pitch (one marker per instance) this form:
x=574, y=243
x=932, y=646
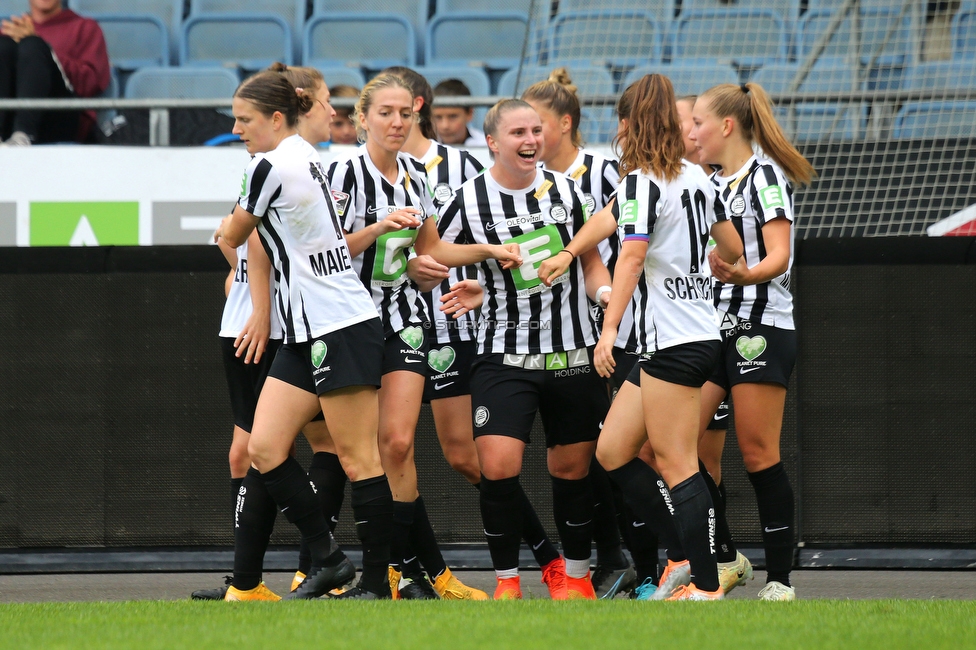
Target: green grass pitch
x=528, y=624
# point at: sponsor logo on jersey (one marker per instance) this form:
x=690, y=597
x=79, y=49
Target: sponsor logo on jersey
x=590, y=203
x=771, y=197
x=244, y=185
x=519, y=222
x=434, y=162
x=541, y=192
x=412, y=336
x=629, y=212
x=481, y=416
x=750, y=347
x=558, y=213
x=319, y=350
x=738, y=205
x=442, y=193
x=341, y=202
x=441, y=360
x=578, y=173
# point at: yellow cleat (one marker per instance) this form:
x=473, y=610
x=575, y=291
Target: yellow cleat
x=580, y=588
x=735, y=573
x=508, y=589
x=297, y=580
x=261, y=592
x=394, y=577
x=449, y=587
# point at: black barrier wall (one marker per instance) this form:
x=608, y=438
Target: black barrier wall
x=115, y=422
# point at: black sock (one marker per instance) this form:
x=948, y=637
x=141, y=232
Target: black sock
x=329, y=479
x=640, y=538
x=606, y=533
x=694, y=517
x=501, y=512
x=572, y=507
x=543, y=550
x=253, y=523
x=774, y=497
x=235, y=490
x=372, y=507
x=648, y=498
x=288, y=485
x=401, y=552
x=724, y=546
x=424, y=542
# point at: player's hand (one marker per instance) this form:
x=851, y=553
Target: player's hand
x=603, y=352
x=220, y=229
x=737, y=273
x=552, y=267
x=604, y=301
x=510, y=255
x=400, y=219
x=463, y=297
x=18, y=27
x=253, y=339
x=425, y=269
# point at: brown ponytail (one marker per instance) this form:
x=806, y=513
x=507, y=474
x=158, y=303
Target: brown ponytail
x=271, y=92
x=558, y=94
x=652, y=141
x=753, y=111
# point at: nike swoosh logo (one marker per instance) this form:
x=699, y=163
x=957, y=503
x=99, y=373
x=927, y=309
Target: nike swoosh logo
x=721, y=417
x=637, y=524
x=536, y=547
x=317, y=382
x=360, y=523
x=412, y=360
x=440, y=386
x=409, y=560
x=374, y=210
x=285, y=508
x=743, y=371
x=494, y=534
x=601, y=425
x=773, y=530
x=335, y=519
x=585, y=523
x=490, y=226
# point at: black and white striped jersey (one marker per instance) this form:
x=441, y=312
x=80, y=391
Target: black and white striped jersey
x=316, y=289
x=750, y=198
x=364, y=196
x=237, y=307
x=520, y=315
x=673, y=299
x=447, y=168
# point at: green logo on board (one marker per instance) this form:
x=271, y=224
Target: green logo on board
x=108, y=223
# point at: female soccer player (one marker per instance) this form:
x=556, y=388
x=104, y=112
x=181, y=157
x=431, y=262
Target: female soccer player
x=384, y=206
x=664, y=206
x=533, y=344
x=753, y=295
x=555, y=100
x=331, y=357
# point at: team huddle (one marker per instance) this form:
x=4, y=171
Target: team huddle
x=624, y=302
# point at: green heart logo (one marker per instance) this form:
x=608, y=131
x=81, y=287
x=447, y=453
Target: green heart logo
x=441, y=360
x=319, y=350
x=750, y=348
x=412, y=336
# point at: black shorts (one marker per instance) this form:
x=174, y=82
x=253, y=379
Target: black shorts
x=688, y=364
x=245, y=380
x=407, y=350
x=352, y=356
x=449, y=370
x=571, y=398
x=720, y=420
x=626, y=361
x=755, y=353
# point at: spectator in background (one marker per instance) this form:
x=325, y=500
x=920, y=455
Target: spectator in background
x=343, y=128
x=50, y=52
x=453, y=123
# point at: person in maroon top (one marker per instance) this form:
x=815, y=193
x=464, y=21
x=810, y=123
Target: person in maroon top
x=50, y=52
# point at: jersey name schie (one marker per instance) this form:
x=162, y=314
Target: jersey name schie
x=364, y=196
x=447, y=168
x=673, y=299
x=316, y=289
x=751, y=198
x=520, y=315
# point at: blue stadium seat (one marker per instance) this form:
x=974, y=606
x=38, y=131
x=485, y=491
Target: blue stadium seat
x=182, y=83
x=247, y=41
x=12, y=8
x=537, y=12
x=746, y=38
x=964, y=33
x=343, y=76
x=788, y=9
x=621, y=39
x=370, y=41
x=663, y=12
x=168, y=11
x=134, y=40
x=598, y=123
x=935, y=120
x=959, y=74
x=816, y=120
x=476, y=79
x=687, y=78
x=415, y=11
x=490, y=39
x=292, y=11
